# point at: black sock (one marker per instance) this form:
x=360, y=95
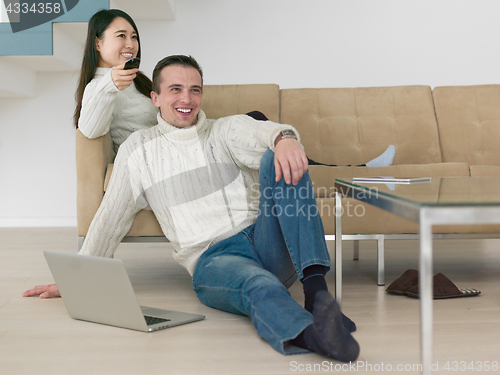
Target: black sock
x=348, y=323
x=327, y=335
x=300, y=341
x=313, y=282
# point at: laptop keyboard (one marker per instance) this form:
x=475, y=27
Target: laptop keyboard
x=150, y=320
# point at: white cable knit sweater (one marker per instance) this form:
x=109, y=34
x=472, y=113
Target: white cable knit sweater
x=105, y=109
x=201, y=182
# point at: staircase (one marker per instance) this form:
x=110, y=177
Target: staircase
x=57, y=46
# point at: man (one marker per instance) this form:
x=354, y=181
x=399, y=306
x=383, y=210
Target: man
x=241, y=218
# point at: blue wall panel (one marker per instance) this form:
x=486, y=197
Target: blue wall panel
x=38, y=40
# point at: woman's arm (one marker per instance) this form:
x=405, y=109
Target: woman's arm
x=99, y=100
x=97, y=106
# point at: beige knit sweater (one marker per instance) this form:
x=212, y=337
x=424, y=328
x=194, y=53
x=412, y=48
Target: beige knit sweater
x=201, y=183
x=105, y=109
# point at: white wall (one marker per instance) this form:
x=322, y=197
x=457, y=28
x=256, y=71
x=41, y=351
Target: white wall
x=333, y=43
x=37, y=155
x=294, y=43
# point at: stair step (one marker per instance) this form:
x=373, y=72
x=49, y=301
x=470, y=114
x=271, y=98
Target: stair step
x=38, y=40
x=57, y=45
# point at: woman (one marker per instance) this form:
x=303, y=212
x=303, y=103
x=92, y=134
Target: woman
x=109, y=98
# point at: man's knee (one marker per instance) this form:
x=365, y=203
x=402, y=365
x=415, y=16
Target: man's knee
x=267, y=160
x=262, y=284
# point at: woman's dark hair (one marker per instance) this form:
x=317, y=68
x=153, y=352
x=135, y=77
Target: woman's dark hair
x=182, y=60
x=97, y=25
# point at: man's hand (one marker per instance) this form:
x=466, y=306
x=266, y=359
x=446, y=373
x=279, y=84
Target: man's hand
x=44, y=291
x=123, y=78
x=290, y=161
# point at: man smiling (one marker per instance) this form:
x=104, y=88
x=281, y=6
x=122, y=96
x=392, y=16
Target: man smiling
x=243, y=249
x=177, y=92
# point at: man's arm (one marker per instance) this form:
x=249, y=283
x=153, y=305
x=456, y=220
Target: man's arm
x=116, y=213
x=44, y=291
x=111, y=223
x=292, y=160
x=248, y=139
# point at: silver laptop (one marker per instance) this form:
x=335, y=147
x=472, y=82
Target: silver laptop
x=98, y=290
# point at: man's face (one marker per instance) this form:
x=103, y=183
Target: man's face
x=180, y=95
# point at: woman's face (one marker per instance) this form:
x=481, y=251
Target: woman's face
x=118, y=44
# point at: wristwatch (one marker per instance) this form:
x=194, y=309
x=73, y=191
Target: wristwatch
x=287, y=133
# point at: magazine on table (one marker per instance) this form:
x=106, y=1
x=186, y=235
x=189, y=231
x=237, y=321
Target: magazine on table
x=391, y=180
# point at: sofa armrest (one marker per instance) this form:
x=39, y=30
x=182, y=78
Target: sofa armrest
x=92, y=159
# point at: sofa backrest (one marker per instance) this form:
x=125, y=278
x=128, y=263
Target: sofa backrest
x=469, y=123
x=350, y=126
x=226, y=100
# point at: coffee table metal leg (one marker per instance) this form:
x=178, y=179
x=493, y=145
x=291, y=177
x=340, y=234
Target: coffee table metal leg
x=381, y=259
x=338, y=248
x=355, y=250
x=426, y=291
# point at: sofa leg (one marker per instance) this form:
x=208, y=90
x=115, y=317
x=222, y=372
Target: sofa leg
x=380, y=260
x=80, y=242
x=355, y=250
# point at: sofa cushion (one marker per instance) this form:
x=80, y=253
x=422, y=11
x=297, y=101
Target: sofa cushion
x=365, y=219
x=361, y=218
x=323, y=177
x=484, y=170
x=145, y=224
x=358, y=218
x=109, y=170
x=469, y=123
x=350, y=126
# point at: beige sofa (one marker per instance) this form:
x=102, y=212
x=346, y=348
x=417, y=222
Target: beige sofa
x=448, y=131
x=436, y=134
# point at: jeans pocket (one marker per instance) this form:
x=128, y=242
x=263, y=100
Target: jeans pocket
x=249, y=232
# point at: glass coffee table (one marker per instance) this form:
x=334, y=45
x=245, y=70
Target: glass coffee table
x=445, y=200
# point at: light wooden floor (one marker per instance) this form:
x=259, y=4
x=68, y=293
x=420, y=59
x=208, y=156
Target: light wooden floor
x=38, y=337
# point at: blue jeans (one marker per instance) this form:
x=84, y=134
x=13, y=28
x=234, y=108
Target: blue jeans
x=249, y=273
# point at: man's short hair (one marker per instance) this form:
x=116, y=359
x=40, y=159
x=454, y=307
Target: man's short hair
x=182, y=60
